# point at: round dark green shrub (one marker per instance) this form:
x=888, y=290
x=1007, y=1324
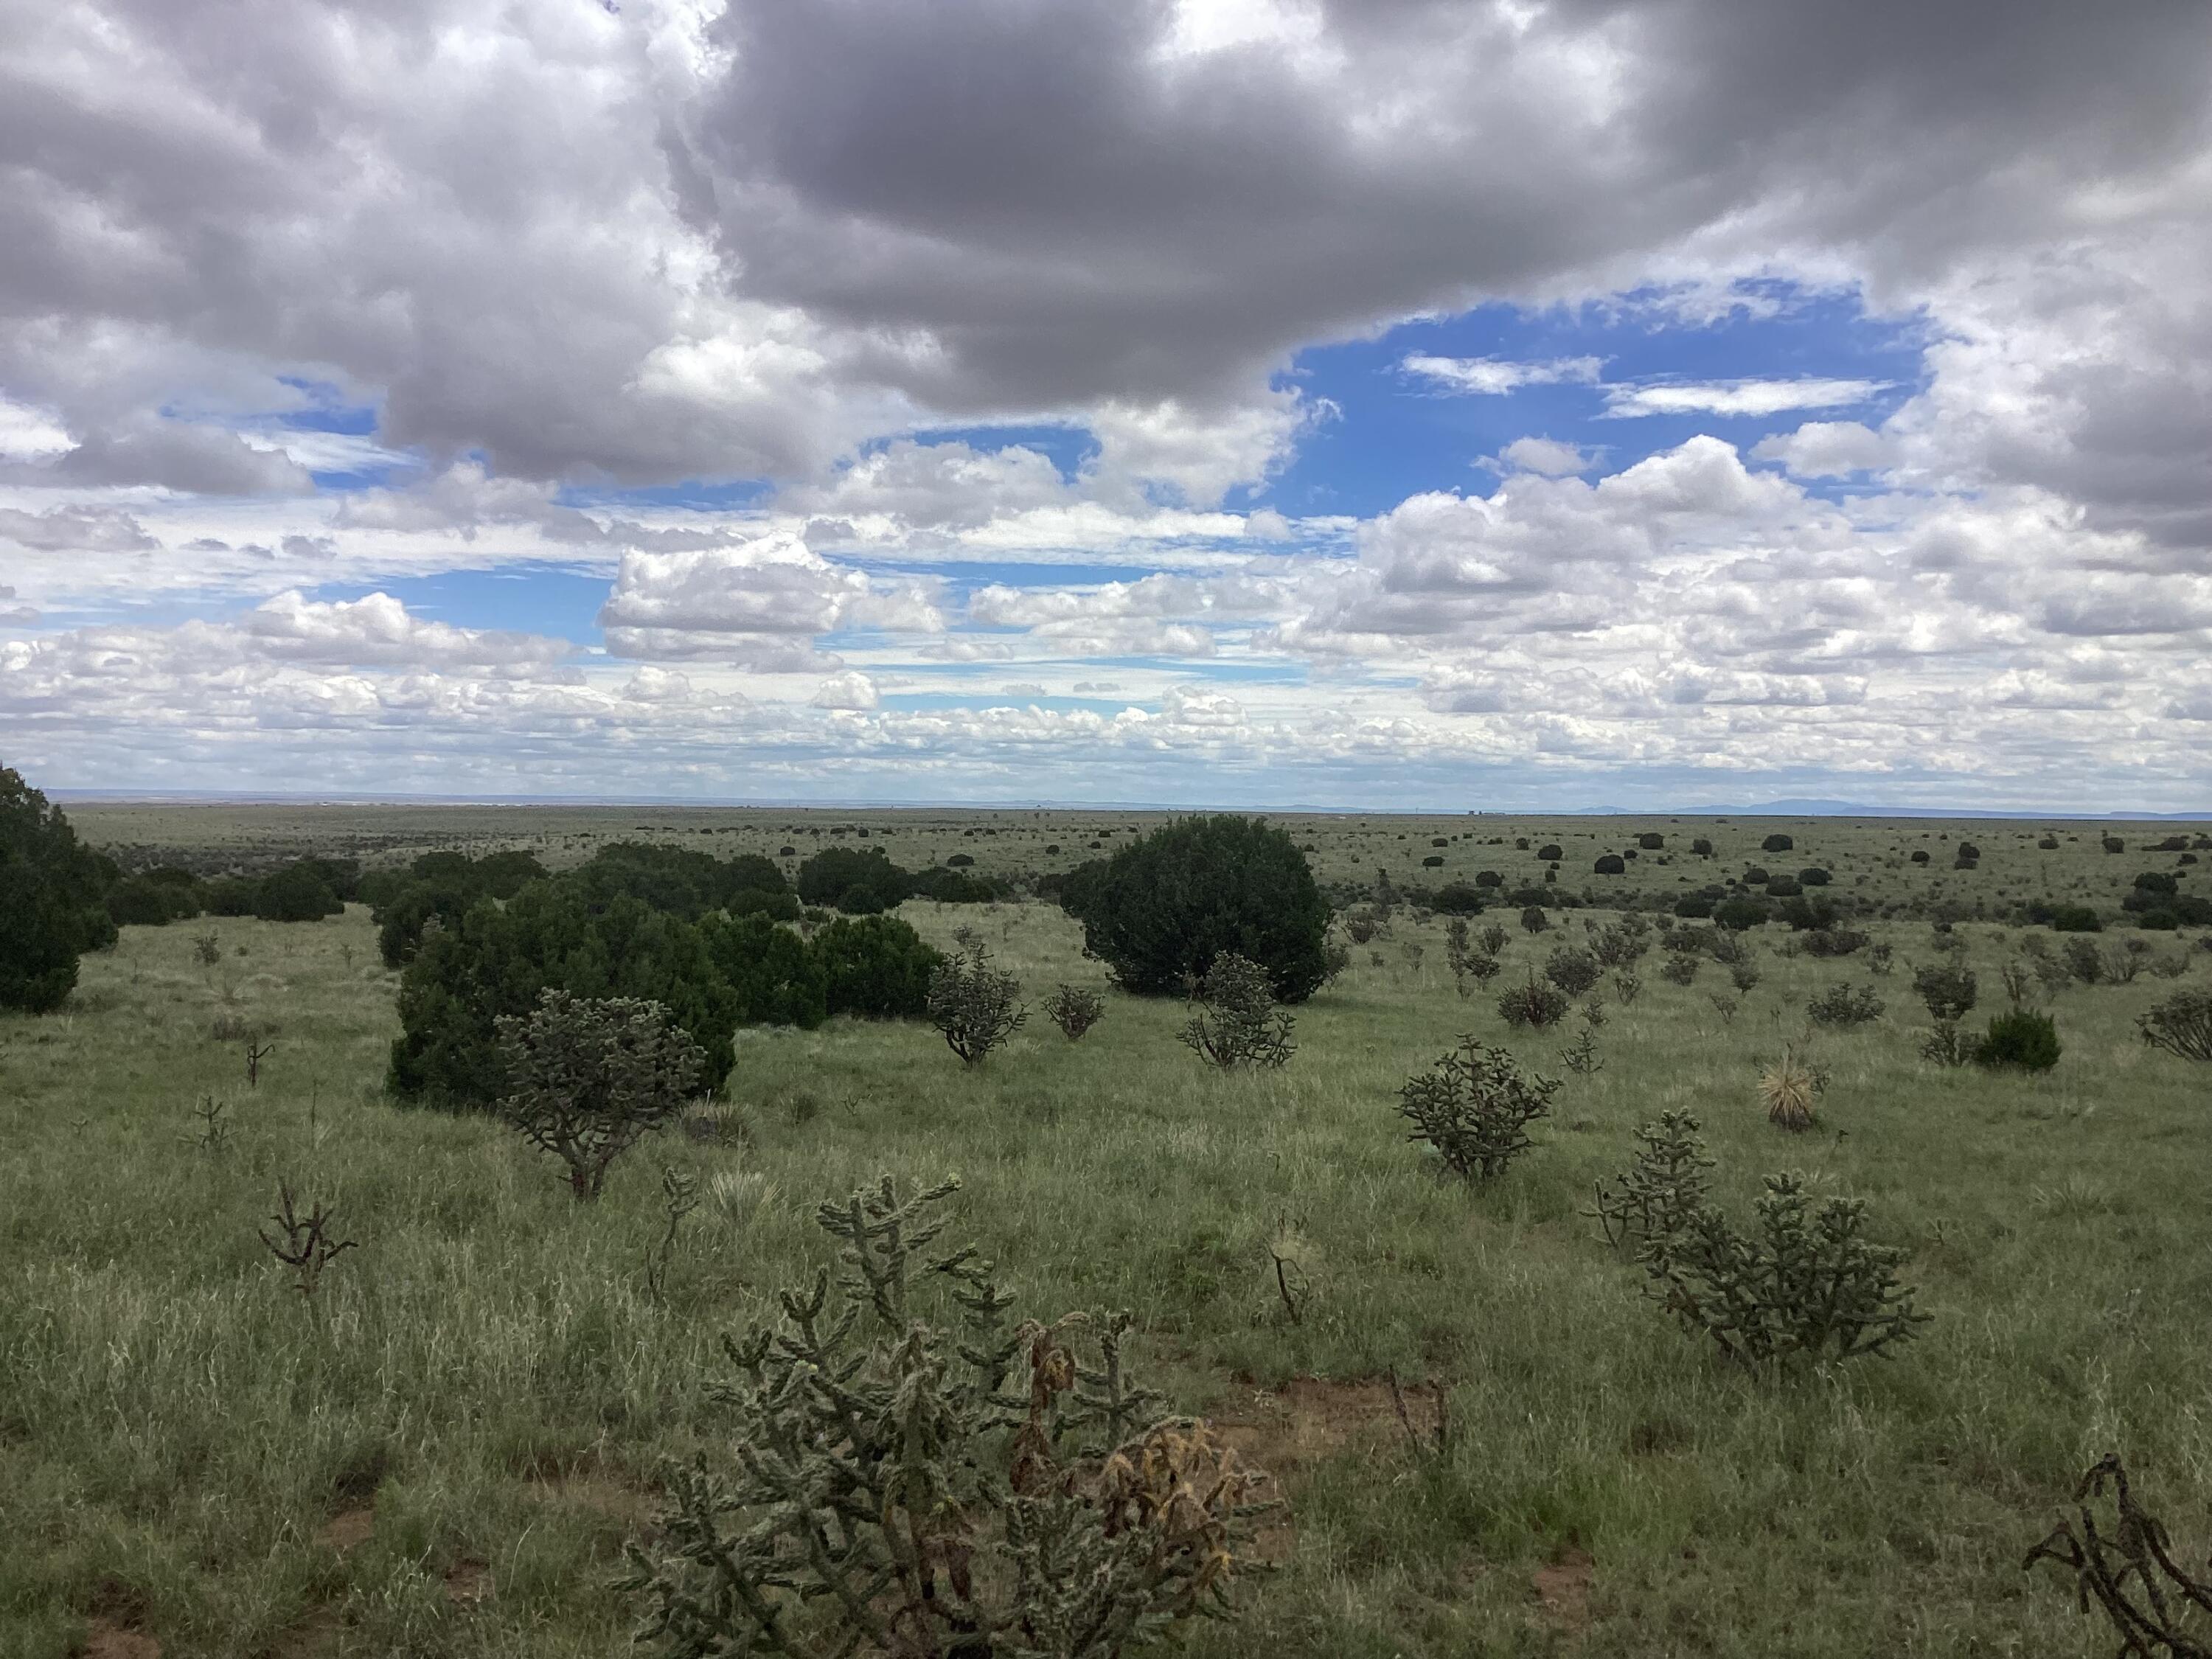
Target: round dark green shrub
x=141, y=901
x=1434, y=861
x=835, y=874
x=2020, y=1038
x=875, y=967
x=1736, y=915
x=298, y=892
x=496, y=960
x=52, y=899
x=1550, y=852
x=1611, y=864
x=1652, y=840
x=861, y=901
x=1814, y=876
x=1693, y=906
x=959, y=861
x=1920, y=855
x=1160, y=909
x=1702, y=847
x=774, y=976
x=1489, y=878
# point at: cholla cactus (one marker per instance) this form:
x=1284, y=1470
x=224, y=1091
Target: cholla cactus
x=1075, y=1010
x=1474, y=1108
x=1655, y=1196
x=975, y=1007
x=898, y=1488
x=1246, y=1028
x=1803, y=1282
x=591, y=1076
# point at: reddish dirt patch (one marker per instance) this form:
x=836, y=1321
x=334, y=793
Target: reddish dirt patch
x=348, y=1529
x=1562, y=1588
x=1284, y=1432
x=1312, y=1418
x=109, y=1640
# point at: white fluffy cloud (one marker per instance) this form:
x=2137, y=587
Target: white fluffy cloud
x=1489, y=376
x=550, y=252
x=1737, y=397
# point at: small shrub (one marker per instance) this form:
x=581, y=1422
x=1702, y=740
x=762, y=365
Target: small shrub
x=588, y=1076
x=1246, y=1029
x=1573, y=971
x=1650, y=840
x=1533, y=919
x=2182, y=1025
x=1743, y=974
x=1813, y=876
x=2084, y=960
x=1680, y=968
x=1802, y=1284
x=1776, y=842
x=1474, y=1108
x=1550, y=852
x=972, y=1006
x=2020, y=1038
x=1535, y=1003
x=1611, y=864
x=1493, y=939
x=1845, y=1005
x=1740, y=914
x=1075, y=1010
x=1832, y=942
x=1947, y=989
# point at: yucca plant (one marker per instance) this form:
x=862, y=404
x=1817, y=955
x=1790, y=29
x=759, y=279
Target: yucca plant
x=1788, y=1089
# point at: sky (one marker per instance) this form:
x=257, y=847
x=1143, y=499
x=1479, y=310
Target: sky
x=1433, y=404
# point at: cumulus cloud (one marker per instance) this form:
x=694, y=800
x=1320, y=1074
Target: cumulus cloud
x=551, y=252
x=75, y=530
x=1548, y=456
x=1827, y=449
x=762, y=603
x=850, y=690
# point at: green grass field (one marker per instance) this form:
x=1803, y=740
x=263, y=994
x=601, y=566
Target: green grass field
x=445, y=1455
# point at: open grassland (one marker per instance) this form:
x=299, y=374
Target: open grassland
x=1871, y=859
x=444, y=1455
